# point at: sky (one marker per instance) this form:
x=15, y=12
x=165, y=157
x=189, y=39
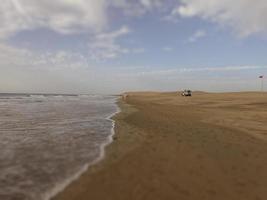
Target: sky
x=112, y=46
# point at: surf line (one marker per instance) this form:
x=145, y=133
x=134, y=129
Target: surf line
x=60, y=187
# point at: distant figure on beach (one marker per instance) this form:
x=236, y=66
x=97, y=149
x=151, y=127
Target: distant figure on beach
x=124, y=97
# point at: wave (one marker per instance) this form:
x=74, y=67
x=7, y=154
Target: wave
x=51, y=144
x=61, y=186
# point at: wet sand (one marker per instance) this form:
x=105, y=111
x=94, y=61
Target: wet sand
x=168, y=147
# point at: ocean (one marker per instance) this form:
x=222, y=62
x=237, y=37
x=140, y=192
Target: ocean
x=47, y=141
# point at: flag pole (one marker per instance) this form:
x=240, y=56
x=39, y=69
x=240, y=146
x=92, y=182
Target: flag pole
x=262, y=84
x=261, y=77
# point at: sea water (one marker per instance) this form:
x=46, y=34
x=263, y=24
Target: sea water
x=47, y=141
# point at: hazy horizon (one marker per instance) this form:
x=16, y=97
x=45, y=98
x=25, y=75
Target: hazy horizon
x=112, y=46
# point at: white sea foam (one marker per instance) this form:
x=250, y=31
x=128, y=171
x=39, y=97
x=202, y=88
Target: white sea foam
x=37, y=96
x=61, y=186
x=45, y=145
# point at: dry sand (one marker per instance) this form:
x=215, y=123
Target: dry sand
x=168, y=147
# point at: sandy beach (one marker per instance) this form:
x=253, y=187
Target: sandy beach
x=168, y=147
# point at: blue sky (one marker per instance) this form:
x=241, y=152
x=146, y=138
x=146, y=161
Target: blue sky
x=87, y=46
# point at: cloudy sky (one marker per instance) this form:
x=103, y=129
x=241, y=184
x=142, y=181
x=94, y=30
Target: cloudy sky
x=110, y=46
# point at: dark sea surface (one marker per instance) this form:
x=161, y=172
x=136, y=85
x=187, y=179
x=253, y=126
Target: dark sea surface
x=47, y=141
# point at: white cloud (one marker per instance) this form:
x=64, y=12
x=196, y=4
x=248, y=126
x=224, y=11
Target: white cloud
x=113, y=35
x=225, y=68
x=180, y=71
x=27, y=71
x=70, y=16
x=11, y=55
x=64, y=16
x=137, y=7
x=227, y=78
x=105, y=45
x=246, y=17
x=25, y=59
x=167, y=49
x=151, y=3
x=138, y=50
x=197, y=35
x=23, y=70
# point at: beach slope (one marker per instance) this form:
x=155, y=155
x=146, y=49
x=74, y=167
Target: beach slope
x=168, y=147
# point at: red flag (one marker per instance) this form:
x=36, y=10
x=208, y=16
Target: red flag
x=260, y=76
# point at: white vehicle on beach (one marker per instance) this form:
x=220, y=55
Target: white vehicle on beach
x=186, y=93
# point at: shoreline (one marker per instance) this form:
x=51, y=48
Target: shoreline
x=112, y=154
x=170, y=147
x=62, y=186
